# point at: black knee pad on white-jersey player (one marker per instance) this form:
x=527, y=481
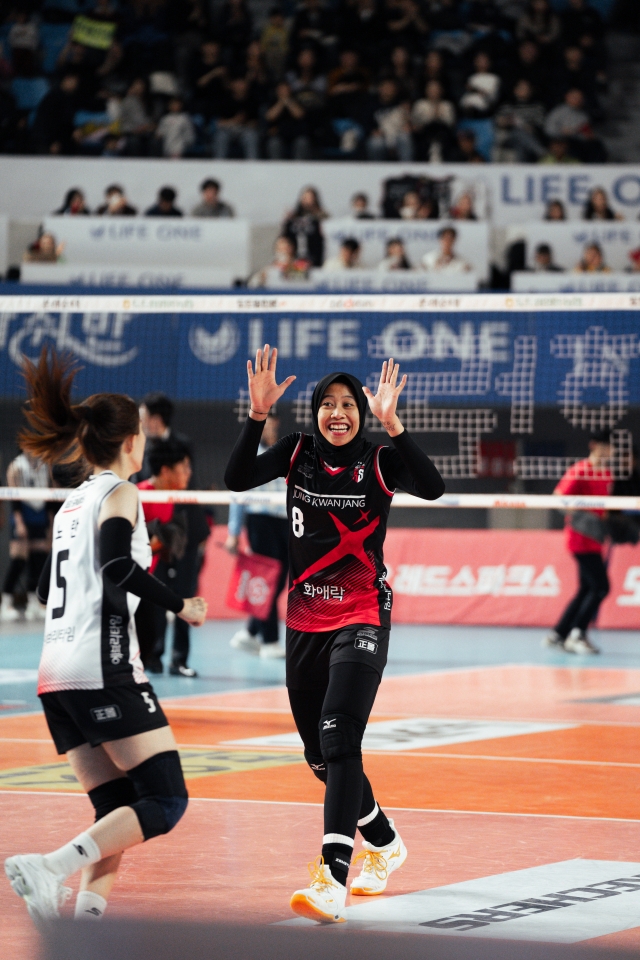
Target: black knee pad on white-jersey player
x=317, y=764
x=111, y=795
x=161, y=793
x=340, y=737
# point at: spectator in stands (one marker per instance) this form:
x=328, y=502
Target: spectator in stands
x=434, y=69
x=274, y=43
x=573, y=73
x=445, y=259
x=313, y=24
x=592, y=260
x=530, y=66
x=543, y=260
x=482, y=89
x=390, y=138
x=597, y=207
x=116, y=204
x=235, y=30
x=211, y=205
x=395, y=256
x=207, y=79
x=348, y=257
x=24, y=39
x=463, y=208
x=406, y=24
x=237, y=122
x=558, y=152
x=304, y=227
x=309, y=87
x=578, y=19
x=401, y=70
x=634, y=257
x=136, y=124
x=257, y=75
x=360, y=207
x=175, y=131
x=348, y=101
x=53, y=124
x=44, y=250
x=284, y=266
x=568, y=119
x=410, y=205
x=539, y=24
x=465, y=149
x=432, y=119
x=287, y=129
x=73, y=204
x=164, y=205
x=519, y=125
x=555, y=211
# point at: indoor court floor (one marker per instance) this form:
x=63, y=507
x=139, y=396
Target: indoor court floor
x=512, y=772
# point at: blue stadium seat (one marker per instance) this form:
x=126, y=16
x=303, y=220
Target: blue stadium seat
x=53, y=37
x=484, y=132
x=28, y=92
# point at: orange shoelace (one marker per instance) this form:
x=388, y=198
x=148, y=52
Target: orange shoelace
x=318, y=876
x=373, y=863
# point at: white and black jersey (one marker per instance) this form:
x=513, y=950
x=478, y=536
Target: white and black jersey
x=90, y=639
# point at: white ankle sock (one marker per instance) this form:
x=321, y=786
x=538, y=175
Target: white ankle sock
x=90, y=906
x=81, y=852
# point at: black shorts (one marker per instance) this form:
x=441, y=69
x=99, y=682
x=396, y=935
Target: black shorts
x=75, y=717
x=309, y=655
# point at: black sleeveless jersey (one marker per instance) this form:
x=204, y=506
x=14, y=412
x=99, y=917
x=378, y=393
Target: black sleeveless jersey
x=337, y=525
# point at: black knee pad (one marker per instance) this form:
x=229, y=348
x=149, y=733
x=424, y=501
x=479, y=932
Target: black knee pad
x=111, y=795
x=161, y=793
x=340, y=736
x=317, y=765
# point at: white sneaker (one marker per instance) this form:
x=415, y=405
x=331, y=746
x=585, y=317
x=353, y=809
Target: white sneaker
x=379, y=862
x=324, y=899
x=243, y=640
x=42, y=891
x=8, y=613
x=272, y=651
x=553, y=639
x=578, y=642
x=34, y=609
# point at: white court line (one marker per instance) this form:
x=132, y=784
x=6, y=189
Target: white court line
x=292, y=803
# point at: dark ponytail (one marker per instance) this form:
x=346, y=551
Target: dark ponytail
x=60, y=431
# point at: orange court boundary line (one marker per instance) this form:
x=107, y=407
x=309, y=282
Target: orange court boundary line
x=292, y=803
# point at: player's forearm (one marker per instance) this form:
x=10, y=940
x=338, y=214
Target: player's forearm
x=118, y=566
x=419, y=475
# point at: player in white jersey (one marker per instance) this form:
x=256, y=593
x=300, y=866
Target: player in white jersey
x=101, y=710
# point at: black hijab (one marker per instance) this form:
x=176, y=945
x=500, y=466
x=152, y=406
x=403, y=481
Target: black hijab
x=339, y=456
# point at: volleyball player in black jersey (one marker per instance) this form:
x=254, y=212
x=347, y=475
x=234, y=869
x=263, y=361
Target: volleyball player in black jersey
x=339, y=491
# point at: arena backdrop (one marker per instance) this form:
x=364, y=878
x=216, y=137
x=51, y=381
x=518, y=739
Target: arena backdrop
x=484, y=373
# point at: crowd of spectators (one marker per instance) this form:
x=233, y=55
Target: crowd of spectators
x=455, y=80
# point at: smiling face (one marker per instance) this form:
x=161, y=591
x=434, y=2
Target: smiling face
x=338, y=416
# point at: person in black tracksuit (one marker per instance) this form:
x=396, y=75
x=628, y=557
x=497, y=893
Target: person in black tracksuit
x=339, y=491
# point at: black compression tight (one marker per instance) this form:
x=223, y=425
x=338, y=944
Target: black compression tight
x=351, y=691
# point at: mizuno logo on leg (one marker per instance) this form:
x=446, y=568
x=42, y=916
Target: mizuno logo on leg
x=329, y=724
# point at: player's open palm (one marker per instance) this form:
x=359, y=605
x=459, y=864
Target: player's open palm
x=383, y=404
x=264, y=390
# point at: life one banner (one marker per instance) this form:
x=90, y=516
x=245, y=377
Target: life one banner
x=153, y=241
x=492, y=577
x=465, y=351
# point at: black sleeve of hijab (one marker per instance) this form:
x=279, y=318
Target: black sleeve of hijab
x=408, y=467
x=246, y=469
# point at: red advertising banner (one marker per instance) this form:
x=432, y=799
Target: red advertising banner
x=484, y=577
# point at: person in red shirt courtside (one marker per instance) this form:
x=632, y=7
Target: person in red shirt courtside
x=585, y=533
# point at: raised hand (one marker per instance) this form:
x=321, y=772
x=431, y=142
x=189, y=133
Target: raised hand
x=264, y=391
x=383, y=404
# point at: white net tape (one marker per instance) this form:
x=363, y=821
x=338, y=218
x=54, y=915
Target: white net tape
x=471, y=500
